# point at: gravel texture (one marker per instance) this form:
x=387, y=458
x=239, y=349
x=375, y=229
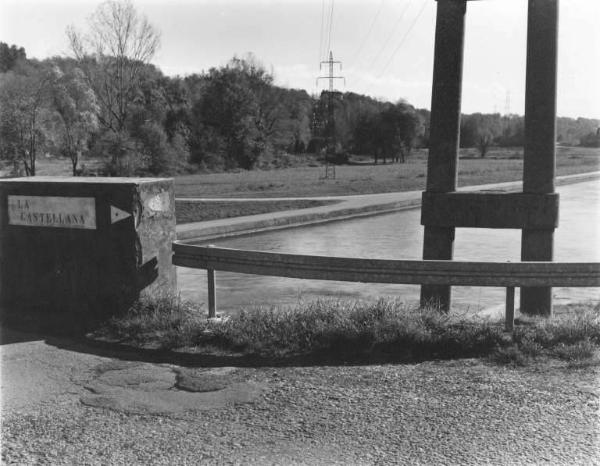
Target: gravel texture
x=452, y=412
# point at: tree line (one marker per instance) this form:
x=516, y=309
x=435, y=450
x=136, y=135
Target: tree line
x=108, y=102
x=483, y=131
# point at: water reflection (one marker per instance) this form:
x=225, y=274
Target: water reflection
x=400, y=236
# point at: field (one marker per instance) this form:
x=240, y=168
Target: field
x=305, y=178
x=363, y=177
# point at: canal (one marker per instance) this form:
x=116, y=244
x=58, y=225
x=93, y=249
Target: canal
x=399, y=235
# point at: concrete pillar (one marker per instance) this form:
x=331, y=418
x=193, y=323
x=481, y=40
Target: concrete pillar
x=442, y=164
x=540, y=138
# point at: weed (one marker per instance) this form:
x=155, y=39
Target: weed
x=573, y=352
x=510, y=355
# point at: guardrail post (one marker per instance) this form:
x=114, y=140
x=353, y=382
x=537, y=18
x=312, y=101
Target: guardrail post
x=212, y=295
x=510, y=308
x=212, y=291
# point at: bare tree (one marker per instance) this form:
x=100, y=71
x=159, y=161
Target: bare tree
x=118, y=44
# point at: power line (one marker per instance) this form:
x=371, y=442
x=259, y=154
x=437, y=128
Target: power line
x=330, y=26
x=364, y=41
x=403, y=38
x=326, y=31
x=391, y=34
x=321, y=35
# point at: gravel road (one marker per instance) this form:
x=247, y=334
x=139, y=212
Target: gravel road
x=450, y=412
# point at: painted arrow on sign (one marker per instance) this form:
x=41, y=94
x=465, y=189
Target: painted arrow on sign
x=116, y=214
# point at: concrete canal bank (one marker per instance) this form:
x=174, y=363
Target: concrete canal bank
x=346, y=207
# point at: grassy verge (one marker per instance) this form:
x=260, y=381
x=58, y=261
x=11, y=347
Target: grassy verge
x=355, y=329
x=191, y=211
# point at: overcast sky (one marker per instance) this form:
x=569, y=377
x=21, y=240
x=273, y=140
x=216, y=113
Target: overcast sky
x=386, y=46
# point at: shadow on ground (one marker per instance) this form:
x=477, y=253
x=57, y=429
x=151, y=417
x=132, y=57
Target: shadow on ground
x=9, y=336
x=215, y=357
x=80, y=342
x=64, y=335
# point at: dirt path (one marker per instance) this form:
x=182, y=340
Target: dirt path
x=67, y=407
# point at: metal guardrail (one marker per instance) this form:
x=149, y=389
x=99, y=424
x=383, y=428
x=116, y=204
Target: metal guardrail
x=420, y=272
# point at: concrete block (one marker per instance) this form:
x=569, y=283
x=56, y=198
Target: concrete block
x=84, y=247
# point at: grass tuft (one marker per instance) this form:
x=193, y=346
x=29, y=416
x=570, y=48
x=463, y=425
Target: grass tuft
x=165, y=321
x=339, y=328
x=578, y=351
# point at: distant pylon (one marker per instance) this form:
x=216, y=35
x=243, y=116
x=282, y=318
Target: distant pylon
x=330, y=169
x=507, y=103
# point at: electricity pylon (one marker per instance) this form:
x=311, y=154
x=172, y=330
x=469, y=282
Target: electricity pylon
x=330, y=169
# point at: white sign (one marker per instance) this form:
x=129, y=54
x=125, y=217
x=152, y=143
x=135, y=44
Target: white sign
x=52, y=211
x=116, y=214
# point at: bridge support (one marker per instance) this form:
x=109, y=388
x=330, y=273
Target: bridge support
x=442, y=165
x=540, y=138
x=535, y=210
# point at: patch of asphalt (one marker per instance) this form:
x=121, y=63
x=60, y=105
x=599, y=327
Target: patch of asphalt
x=145, y=388
x=347, y=207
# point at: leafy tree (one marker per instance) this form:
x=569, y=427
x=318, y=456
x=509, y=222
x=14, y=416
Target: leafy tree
x=480, y=130
x=24, y=114
x=408, y=126
x=390, y=133
x=364, y=137
x=76, y=109
x=513, y=132
x=591, y=139
x=235, y=115
x=571, y=131
x=394, y=133
x=178, y=105
x=9, y=56
x=291, y=130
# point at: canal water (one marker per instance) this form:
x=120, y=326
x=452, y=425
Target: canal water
x=399, y=236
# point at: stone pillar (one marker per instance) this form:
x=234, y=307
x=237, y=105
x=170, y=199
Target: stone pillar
x=540, y=138
x=79, y=250
x=442, y=164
